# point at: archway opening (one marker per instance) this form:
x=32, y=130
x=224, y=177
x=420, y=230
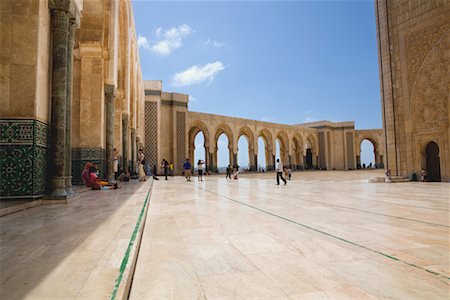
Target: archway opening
x=433, y=162
x=199, y=149
x=262, y=154
x=297, y=154
x=223, y=153
x=308, y=155
x=278, y=151
x=367, y=154
x=243, y=159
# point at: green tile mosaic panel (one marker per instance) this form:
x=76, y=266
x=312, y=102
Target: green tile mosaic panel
x=23, y=158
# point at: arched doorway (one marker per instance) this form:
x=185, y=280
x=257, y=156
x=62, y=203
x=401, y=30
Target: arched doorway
x=223, y=153
x=198, y=144
x=433, y=163
x=199, y=149
x=243, y=157
x=266, y=158
x=367, y=155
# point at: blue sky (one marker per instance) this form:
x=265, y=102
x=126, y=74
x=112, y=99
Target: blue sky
x=286, y=62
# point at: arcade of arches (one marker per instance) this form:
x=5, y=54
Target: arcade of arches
x=78, y=79
x=319, y=145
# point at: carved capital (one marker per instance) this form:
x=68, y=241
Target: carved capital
x=110, y=90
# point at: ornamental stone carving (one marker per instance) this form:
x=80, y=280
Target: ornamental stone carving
x=419, y=45
x=431, y=92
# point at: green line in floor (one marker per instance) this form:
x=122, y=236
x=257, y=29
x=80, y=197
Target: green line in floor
x=328, y=234
x=375, y=213
x=130, y=245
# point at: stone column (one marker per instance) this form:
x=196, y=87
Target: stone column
x=68, y=150
x=110, y=93
x=125, y=140
x=133, y=149
x=60, y=32
x=255, y=160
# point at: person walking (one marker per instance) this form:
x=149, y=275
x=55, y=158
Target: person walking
x=200, y=168
x=228, y=172
x=279, y=169
x=166, y=168
x=187, y=170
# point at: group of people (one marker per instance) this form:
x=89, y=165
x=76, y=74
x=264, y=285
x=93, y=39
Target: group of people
x=187, y=169
x=423, y=176
x=90, y=174
x=91, y=178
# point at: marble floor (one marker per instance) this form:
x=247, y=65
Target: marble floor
x=325, y=235
x=69, y=251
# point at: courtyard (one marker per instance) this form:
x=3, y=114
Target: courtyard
x=325, y=235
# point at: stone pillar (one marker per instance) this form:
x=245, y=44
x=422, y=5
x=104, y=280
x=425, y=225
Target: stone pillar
x=235, y=161
x=110, y=93
x=60, y=32
x=133, y=150
x=68, y=150
x=256, y=167
x=125, y=140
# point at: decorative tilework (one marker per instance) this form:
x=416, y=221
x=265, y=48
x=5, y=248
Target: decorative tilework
x=23, y=158
x=181, y=140
x=151, y=132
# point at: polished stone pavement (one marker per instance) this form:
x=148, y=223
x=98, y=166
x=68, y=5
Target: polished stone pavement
x=326, y=235
x=69, y=251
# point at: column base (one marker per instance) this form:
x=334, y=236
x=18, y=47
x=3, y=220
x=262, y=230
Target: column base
x=58, y=188
x=69, y=190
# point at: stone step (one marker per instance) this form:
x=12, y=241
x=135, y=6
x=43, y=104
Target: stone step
x=394, y=179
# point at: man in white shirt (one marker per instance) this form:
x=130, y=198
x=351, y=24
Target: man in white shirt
x=279, y=169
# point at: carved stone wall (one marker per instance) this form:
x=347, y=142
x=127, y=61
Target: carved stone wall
x=151, y=132
x=181, y=140
x=414, y=43
x=430, y=92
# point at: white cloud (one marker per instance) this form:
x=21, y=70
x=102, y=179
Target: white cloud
x=171, y=39
x=214, y=43
x=143, y=42
x=197, y=74
x=192, y=99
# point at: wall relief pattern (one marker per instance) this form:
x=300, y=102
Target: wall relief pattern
x=431, y=92
x=418, y=45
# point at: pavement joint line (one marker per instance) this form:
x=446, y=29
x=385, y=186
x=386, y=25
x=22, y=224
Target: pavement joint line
x=329, y=235
x=377, y=213
x=126, y=256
